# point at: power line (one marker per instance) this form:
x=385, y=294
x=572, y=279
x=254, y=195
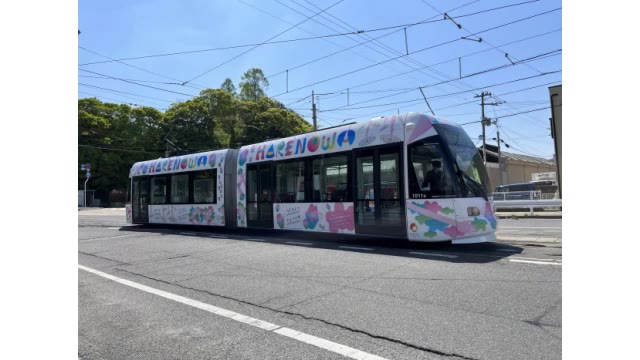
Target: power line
x=519, y=147
x=138, y=68
x=443, y=82
x=449, y=106
x=351, y=33
x=138, y=80
x=467, y=30
x=115, y=149
x=385, y=49
x=525, y=112
x=382, y=45
x=135, y=83
x=106, y=98
x=440, y=63
x=123, y=92
x=357, y=45
x=417, y=51
x=404, y=91
x=409, y=59
x=256, y=46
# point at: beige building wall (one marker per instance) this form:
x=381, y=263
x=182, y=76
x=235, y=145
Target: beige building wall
x=517, y=172
x=520, y=171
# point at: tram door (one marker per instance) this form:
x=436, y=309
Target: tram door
x=379, y=205
x=259, y=196
x=140, y=200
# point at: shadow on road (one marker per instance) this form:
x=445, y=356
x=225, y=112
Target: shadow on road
x=441, y=251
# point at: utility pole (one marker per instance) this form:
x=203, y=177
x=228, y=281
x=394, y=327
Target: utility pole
x=313, y=108
x=485, y=122
x=499, y=152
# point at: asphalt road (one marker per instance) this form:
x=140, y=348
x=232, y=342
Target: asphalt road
x=182, y=293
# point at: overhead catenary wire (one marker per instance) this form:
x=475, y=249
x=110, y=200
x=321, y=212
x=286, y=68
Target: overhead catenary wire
x=416, y=101
x=516, y=145
x=372, y=44
x=135, y=83
x=403, y=91
x=472, y=34
x=176, y=81
x=436, y=64
x=110, y=99
x=417, y=51
x=258, y=45
x=425, y=21
x=350, y=33
x=409, y=60
x=123, y=92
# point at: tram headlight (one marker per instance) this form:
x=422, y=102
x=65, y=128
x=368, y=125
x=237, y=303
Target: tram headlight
x=473, y=211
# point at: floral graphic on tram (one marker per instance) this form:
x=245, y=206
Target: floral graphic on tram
x=311, y=217
x=340, y=218
x=201, y=215
x=429, y=219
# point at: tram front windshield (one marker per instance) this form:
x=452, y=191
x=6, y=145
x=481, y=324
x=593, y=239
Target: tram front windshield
x=469, y=164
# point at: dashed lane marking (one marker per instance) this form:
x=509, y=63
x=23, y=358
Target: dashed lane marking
x=433, y=254
x=535, y=262
x=299, y=243
x=355, y=248
x=535, y=259
x=108, y=238
x=264, y=325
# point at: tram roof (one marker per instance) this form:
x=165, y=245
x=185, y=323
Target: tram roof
x=410, y=117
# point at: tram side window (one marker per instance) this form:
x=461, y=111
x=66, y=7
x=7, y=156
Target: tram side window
x=204, y=187
x=158, y=190
x=180, y=189
x=429, y=175
x=330, y=179
x=290, y=182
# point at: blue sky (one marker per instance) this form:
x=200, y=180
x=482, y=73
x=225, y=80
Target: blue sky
x=122, y=29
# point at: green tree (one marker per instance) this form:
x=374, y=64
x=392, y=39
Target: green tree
x=111, y=137
x=264, y=119
x=195, y=125
x=253, y=85
x=228, y=86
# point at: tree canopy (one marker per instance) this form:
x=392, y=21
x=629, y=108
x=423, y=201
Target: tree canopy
x=253, y=85
x=112, y=137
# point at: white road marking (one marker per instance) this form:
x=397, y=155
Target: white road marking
x=536, y=259
x=327, y=345
x=355, y=248
x=299, y=243
x=432, y=254
x=535, y=262
x=108, y=238
x=290, y=333
x=113, y=228
x=530, y=227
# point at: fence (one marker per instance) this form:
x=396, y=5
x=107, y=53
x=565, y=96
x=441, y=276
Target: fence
x=526, y=199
